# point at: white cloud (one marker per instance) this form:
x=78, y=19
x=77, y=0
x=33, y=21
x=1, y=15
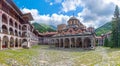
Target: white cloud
x=95, y=12
x=116, y=2
x=68, y=5
x=54, y=19
x=58, y=1
x=51, y=3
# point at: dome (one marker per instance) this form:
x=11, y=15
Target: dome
x=72, y=18
x=73, y=21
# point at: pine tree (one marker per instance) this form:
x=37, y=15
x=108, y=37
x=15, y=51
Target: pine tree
x=116, y=29
x=116, y=13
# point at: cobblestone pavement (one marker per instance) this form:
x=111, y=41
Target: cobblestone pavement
x=46, y=56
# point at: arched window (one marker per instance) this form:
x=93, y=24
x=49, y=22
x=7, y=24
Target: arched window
x=11, y=22
x=4, y=29
x=4, y=19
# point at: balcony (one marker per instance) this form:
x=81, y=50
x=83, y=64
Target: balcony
x=11, y=33
x=5, y=31
x=4, y=19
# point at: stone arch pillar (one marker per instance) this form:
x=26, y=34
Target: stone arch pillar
x=93, y=42
x=9, y=41
x=14, y=25
x=59, y=43
x=8, y=18
x=82, y=42
x=75, y=42
x=0, y=23
x=0, y=43
x=70, y=43
x=62, y=43
x=18, y=26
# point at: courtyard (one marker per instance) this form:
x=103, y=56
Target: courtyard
x=43, y=55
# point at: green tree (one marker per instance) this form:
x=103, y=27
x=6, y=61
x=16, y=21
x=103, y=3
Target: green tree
x=116, y=13
x=116, y=29
x=106, y=42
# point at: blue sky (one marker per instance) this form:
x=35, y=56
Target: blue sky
x=45, y=6
x=54, y=12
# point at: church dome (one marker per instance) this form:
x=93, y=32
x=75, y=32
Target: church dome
x=73, y=18
x=73, y=21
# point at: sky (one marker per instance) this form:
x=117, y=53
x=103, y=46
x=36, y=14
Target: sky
x=93, y=13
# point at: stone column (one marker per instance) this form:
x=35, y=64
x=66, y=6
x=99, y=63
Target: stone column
x=70, y=42
x=59, y=43
x=92, y=42
x=18, y=29
x=1, y=44
x=8, y=43
x=8, y=25
x=0, y=21
x=82, y=42
x=28, y=43
x=63, y=43
x=75, y=42
x=14, y=28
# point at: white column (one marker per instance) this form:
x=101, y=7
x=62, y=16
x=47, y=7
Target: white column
x=28, y=43
x=8, y=25
x=63, y=43
x=14, y=28
x=75, y=42
x=83, y=42
x=70, y=42
x=0, y=21
x=1, y=44
x=94, y=42
x=59, y=43
x=18, y=28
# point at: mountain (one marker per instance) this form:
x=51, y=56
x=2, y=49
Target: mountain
x=104, y=29
x=44, y=27
x=50, y=28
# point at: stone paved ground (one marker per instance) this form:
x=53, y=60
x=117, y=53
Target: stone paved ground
x=46, y=56
x=77, y=57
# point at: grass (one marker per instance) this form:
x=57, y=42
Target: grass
x=18, y=56
x=45, y=56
